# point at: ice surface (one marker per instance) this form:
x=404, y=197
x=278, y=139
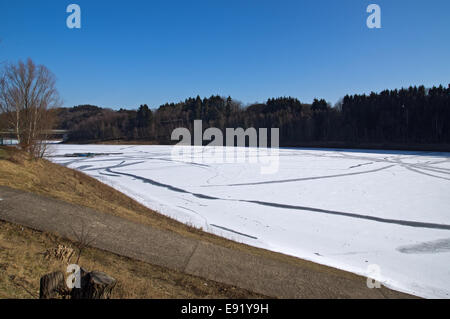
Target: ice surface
x=344, y=208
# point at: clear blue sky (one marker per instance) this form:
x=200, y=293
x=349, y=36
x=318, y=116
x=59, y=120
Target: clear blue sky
x=132, y=52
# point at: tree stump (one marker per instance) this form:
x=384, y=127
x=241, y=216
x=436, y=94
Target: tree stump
x=51, y=285
x=94, y=285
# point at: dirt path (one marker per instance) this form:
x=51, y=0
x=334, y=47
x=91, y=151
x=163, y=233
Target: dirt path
x=259, y=274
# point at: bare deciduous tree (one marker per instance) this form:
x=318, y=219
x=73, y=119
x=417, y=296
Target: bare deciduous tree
x=84, y=238
x=27, y=94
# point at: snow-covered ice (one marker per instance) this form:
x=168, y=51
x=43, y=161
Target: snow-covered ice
x=349, y=209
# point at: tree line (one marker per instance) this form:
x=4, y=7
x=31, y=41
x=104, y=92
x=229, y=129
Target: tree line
x=30, y=108
x=414, y=115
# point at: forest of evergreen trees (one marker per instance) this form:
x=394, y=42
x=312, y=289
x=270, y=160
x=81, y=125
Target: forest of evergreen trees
x=415, y=115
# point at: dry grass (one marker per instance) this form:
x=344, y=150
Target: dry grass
x=23, y=262
x=49, y=179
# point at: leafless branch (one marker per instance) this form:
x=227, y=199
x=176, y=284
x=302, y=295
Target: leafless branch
x=84, y=238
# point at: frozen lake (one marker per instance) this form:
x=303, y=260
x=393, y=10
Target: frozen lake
x=361, y=211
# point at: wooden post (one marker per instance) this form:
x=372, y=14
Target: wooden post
x=94, y=285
